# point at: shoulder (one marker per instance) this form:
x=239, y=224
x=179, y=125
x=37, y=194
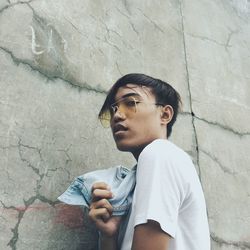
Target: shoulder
x=167, y=159
x=163, y=149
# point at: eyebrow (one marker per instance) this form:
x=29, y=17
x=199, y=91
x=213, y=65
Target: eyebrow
x=127, y=95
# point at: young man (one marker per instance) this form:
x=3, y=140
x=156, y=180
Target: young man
x=168, y=211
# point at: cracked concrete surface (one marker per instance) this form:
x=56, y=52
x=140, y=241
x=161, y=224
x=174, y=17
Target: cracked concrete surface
x=59, y=58
x=230, y=244
x=189, y=90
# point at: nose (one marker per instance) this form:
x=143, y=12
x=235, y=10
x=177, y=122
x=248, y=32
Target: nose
x=118, y=116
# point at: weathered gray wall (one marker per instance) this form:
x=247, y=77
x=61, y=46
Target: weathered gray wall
x=59, y=57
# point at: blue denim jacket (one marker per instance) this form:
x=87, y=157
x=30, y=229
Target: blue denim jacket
x=120, y=179
x=122, y=183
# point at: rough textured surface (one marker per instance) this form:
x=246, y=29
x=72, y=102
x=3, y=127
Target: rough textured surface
x=57, y=61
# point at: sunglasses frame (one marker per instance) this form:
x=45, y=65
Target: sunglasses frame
x=107, y=116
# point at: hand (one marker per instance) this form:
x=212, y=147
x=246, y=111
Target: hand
x=101, y=210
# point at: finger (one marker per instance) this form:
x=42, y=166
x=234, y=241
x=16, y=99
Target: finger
x=105, y=217
x=100, y=185
x=103, y=203
x=98, y=194
x=100, y=213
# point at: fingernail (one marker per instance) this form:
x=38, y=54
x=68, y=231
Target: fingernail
x=108, y=187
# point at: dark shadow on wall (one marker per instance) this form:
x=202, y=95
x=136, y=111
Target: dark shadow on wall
x=72, y=229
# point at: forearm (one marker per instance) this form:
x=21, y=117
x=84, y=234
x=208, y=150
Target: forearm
x=108, y=243
x=150, y=236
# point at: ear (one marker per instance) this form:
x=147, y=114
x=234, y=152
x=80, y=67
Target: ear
x=167, y=113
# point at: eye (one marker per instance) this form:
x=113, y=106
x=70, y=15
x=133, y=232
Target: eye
x=112, y=110
x=129, y=103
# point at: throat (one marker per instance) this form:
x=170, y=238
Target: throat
x=136, y=153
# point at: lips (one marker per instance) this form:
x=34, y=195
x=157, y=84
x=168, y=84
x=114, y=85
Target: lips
x=119, y=128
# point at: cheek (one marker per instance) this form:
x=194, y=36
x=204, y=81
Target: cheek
x=146, y=125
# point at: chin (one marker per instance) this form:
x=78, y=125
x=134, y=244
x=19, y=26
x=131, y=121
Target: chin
x=127, y=146
x=123, y=147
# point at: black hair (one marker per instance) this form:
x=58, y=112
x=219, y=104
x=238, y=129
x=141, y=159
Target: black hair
x=164, y=94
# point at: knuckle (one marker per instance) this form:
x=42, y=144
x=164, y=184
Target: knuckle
x=99, y=185
x=103, y=202
x=91, y=214
x=95, y=192
x=107, y=203
x=105, y=210
x=95, y=185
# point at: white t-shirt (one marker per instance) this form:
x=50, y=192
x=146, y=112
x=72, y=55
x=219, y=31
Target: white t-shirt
x=168, y=191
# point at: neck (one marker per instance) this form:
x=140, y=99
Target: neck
x=136, y=153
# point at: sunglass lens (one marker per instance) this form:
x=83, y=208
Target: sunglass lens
x=105, y=119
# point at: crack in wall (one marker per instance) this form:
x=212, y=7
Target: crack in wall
x=4, y=8
x=226, y=45
x=111, y=44
x=189, y=89
x=35, y=169
x=109, y=31
x=79, y=86
x=151, y=21
x=75, y=27
x=223, y=168
x=129, y=20
x=232, y=32
x=224, y=127
x=216, y=124
x=65, y=151
x=21, y=210
x=118, y=68
x=46, y=173
x=8, y=207
x=126, y=5
x=57, y=168
x=239, y=244
x=204, y=38
x=105, y=39
x=13, y=241
x=14, y=4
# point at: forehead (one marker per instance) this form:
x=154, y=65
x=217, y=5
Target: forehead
x=143, y=92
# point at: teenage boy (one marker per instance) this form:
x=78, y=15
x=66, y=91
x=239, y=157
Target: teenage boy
x=168, y=211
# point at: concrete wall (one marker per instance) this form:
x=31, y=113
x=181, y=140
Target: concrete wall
x=57, y=60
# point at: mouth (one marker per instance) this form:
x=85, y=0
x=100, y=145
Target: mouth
x=119, y=129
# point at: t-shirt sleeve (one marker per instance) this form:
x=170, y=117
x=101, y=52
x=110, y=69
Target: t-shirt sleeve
x=159, y=190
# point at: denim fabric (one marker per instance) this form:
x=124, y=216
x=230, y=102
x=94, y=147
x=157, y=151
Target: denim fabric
x=120, y=179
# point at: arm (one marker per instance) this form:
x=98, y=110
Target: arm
x=101, y=214
x=108, y=243
x=150, y=236
x=108, y=240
